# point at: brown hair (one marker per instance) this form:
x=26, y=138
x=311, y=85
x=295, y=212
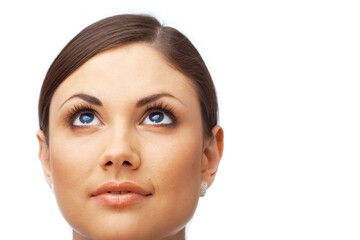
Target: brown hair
x=129, y=28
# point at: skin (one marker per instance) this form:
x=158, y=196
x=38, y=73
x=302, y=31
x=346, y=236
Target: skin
x=169, y=160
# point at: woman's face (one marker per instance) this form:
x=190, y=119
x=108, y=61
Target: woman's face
x=126, y=146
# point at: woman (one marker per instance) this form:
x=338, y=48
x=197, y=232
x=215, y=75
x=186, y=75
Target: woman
x=128, y=130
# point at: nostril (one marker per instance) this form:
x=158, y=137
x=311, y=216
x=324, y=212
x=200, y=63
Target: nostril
x=124, y=163
x=109, y=163
x=127, y=163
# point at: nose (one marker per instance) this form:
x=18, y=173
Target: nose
x=120, y=152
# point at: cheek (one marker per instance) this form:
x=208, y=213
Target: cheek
x=71, y=160
x=175, y=157
x=179, y=165
x=72, y=164
x=176, y=166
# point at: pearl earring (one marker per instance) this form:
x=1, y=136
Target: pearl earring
x=203, y=188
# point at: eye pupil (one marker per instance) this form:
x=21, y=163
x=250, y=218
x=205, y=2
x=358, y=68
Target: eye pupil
x=156, y=116
x=86, y=118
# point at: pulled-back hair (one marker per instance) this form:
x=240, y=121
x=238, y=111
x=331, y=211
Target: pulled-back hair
x=124, y=29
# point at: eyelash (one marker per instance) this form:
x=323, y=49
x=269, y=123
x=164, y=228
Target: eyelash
x=164, y=108
x=82, y=108
x=76, y=111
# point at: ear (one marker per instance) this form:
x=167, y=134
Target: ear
x=212, y=154
x=44, y=156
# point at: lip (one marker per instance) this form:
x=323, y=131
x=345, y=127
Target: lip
x=133, y=194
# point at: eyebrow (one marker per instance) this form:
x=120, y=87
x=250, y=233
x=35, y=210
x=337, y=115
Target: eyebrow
x=143, y=101
x=154, y=97
x=88, y=98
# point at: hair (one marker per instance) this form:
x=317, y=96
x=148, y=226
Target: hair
x=124, y=29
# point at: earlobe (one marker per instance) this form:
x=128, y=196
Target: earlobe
x=44, y=156
x=212, y=155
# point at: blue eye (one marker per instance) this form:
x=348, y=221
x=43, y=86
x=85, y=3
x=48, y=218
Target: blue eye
x=86, y=119
x=157, y=118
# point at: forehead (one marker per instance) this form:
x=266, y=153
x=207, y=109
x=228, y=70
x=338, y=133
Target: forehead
x=130, y=72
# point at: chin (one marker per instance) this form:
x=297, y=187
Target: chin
x=119, y=233
x=111, y=229
x=116, y=234
x=94, y=221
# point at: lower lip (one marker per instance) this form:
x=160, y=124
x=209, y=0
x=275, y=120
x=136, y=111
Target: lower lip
x=120, y=200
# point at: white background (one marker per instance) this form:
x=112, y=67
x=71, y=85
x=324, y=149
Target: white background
x=288, y=81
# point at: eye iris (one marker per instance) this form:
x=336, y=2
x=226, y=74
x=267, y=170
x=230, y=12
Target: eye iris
x=156, y=117
x=86, y=118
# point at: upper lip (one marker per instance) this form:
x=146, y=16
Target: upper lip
x=119, y=187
